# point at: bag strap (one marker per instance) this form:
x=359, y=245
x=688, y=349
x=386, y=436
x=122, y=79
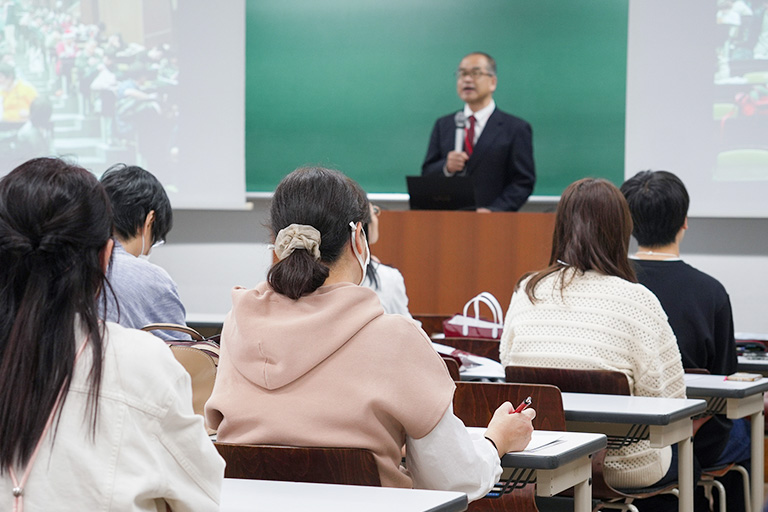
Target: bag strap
x=174, y=327
x=489, y=300
x=18, y=485
x=496, y=305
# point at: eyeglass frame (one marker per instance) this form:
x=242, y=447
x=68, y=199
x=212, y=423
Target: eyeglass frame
x=376, y=210
x=475, y=73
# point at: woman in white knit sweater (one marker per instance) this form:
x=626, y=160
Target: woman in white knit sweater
x=587, y=311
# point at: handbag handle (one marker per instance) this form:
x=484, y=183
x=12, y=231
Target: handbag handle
x=489, y=300
x=496, y=305
x=174, y=327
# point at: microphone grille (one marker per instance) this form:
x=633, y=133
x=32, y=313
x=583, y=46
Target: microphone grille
x=460, y=119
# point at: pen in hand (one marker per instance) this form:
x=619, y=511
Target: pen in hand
x=523, y=406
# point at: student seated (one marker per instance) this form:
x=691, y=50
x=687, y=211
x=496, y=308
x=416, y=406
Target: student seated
x=94, y=416
x=698, y=307
x=587, y=311
x=309, y=358
x=144, y=292
x=386, y=281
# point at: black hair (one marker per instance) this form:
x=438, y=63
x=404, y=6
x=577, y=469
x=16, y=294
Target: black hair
x=134, y=192
x=659, y=203
x=328, y=201
x=55, y=223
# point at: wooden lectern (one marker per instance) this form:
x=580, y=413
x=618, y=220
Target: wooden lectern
x=448, y=257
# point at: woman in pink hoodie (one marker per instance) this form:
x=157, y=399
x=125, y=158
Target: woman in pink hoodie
x=309, y=358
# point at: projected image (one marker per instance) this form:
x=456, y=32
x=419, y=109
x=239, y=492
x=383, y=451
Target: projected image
x=741, y=90
x=94, y=80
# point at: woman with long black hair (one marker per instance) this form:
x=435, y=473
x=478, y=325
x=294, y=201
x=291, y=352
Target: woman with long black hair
x=93, y=416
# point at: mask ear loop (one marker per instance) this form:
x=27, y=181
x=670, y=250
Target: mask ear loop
x=363, y=264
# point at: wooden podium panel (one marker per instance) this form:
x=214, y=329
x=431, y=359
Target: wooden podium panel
x=448, y=257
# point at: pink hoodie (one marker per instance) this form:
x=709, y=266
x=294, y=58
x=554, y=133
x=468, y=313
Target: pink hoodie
x=328, y=369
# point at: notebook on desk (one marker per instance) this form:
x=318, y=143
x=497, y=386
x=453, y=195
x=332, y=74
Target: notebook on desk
x=441, y=193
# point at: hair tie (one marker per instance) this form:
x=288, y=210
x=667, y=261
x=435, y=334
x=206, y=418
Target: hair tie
x=297, y=236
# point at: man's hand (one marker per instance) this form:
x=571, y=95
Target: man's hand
x=455, y=161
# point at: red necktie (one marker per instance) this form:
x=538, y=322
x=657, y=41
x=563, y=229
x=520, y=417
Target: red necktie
x=469, y=138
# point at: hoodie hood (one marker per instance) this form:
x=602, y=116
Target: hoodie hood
x=273, y=340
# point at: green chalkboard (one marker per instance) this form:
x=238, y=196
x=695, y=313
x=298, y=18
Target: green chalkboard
x=357, y=84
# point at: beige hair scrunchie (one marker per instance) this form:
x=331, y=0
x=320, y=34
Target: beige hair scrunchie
x=297, y=236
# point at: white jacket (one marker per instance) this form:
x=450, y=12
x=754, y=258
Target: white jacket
x=149, y=445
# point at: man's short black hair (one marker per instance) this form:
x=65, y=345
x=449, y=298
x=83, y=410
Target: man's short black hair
x=658, y=202
x=134, y=192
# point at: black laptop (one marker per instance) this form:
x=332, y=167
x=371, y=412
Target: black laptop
x=441, y=193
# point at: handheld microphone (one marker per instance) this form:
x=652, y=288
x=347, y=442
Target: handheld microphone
x=460, y=120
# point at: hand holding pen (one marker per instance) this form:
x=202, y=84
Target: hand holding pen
x=523, y=406
x=510, y=429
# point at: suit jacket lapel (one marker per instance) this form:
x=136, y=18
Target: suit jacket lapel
x=490, y=132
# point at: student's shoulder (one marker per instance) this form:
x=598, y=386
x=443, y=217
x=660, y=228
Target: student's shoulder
x=702, y=279
x=624, y=291
x=397, y=329
x=143, y=364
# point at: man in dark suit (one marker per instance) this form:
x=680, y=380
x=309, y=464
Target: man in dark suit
x=498, y=147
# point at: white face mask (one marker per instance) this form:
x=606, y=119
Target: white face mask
x=363, y=264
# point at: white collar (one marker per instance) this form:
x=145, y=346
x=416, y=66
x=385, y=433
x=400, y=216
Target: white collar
x=482, y=115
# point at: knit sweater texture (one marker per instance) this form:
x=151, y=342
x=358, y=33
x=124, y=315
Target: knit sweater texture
x=603, y=323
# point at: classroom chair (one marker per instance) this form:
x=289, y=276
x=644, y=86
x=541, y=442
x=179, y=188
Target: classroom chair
x=483, y=347
x=431, y=323
x=591, y=381
x=475, y=402
x=349, y=466
x=453, y=366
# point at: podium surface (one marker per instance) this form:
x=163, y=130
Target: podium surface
x=448, y=257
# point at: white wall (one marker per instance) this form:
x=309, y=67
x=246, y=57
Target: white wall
x=208, y=252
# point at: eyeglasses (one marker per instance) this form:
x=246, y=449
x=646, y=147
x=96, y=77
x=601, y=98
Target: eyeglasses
x=475, y=73
x=376, y=210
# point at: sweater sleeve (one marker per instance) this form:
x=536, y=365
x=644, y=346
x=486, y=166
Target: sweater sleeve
x=659, y=370
x=507, y=335
x=726, y=361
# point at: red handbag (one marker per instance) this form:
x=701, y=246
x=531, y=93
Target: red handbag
x=474, y=326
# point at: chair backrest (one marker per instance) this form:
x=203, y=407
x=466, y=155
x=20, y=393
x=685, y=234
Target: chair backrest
x=350, y=466
x=475, y=402
x=432, y=324
x=572, y=381
x=478, y=346
x=202, y=370
x=453, y=366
